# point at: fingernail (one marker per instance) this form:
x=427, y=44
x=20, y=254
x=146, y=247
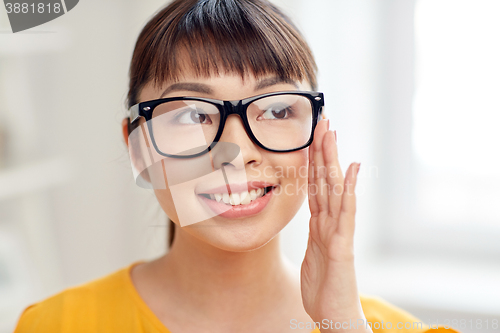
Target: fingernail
x=359, y=166
x=335, y=132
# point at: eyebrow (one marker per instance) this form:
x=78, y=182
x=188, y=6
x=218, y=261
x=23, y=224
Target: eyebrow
x=188, y=86
x=271, y=81
x=205, y=89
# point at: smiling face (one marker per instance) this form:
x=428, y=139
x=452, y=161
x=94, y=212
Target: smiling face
x=277, y=181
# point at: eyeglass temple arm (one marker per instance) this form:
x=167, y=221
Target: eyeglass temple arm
x=320, y=113
x=133, y=113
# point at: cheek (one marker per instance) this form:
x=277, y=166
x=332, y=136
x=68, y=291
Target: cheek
x=177, y=181
x=166, y=201
x=291, y=170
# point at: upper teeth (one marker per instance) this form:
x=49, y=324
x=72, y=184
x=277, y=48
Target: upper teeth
x=242, y=198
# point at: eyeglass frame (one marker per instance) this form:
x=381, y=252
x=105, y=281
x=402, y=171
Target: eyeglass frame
x=227, y=108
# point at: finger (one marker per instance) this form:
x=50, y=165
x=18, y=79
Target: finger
x=348, y=208
x=335, y=179
x=313, y=205
x=320, y=190
x=313, y=186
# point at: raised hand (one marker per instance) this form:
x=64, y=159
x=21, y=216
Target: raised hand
x=328, y=280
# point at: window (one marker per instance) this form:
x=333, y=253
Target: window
x=454, y=191
x=456, y=114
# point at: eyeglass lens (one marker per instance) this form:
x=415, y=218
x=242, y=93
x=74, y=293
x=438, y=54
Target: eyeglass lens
x=187, y=127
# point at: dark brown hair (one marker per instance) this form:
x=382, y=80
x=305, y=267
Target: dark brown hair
x=217, y=36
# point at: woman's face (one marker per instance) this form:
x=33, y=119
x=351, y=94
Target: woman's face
x=287, y=172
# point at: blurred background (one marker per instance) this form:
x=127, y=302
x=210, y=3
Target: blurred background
x=411, y=86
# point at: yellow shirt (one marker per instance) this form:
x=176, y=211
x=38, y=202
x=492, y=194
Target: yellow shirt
x=111, y=304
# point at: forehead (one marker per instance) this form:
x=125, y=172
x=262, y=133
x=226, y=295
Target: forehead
x=189, y=67
x=225, y=85
x=197, y=63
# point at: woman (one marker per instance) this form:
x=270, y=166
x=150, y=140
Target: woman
x=230, y=183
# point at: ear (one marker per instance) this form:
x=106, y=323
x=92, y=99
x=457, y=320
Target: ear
x=125, y=125
x=135, y=151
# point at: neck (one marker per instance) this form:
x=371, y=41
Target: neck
x=228, y=283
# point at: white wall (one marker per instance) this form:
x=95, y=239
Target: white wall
x=71, y=201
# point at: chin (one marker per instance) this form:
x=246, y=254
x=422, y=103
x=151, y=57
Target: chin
x=244, y=246
x=238, y=237
x=241, y=247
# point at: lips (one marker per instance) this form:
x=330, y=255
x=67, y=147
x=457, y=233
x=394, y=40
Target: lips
x=252, y=198
x=235, y=188
x=241, y=198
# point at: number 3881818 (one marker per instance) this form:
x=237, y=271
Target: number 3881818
x=25, y=8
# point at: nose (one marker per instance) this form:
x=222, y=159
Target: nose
x=235, y=135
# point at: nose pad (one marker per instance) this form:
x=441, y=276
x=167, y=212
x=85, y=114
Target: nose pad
x=235, y=132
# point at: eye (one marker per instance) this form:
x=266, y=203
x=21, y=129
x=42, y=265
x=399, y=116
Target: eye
x=194, y=116
x=277, y=112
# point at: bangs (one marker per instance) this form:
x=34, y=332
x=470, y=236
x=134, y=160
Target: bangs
x=215, y=37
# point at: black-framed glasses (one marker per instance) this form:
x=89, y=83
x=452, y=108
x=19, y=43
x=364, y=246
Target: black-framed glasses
x=183, y=127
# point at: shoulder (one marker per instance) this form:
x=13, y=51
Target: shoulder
x=77, y=307
x=377, y=309
x=386, y=317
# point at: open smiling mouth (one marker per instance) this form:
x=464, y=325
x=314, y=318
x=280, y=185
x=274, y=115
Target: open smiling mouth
x=238, y=198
